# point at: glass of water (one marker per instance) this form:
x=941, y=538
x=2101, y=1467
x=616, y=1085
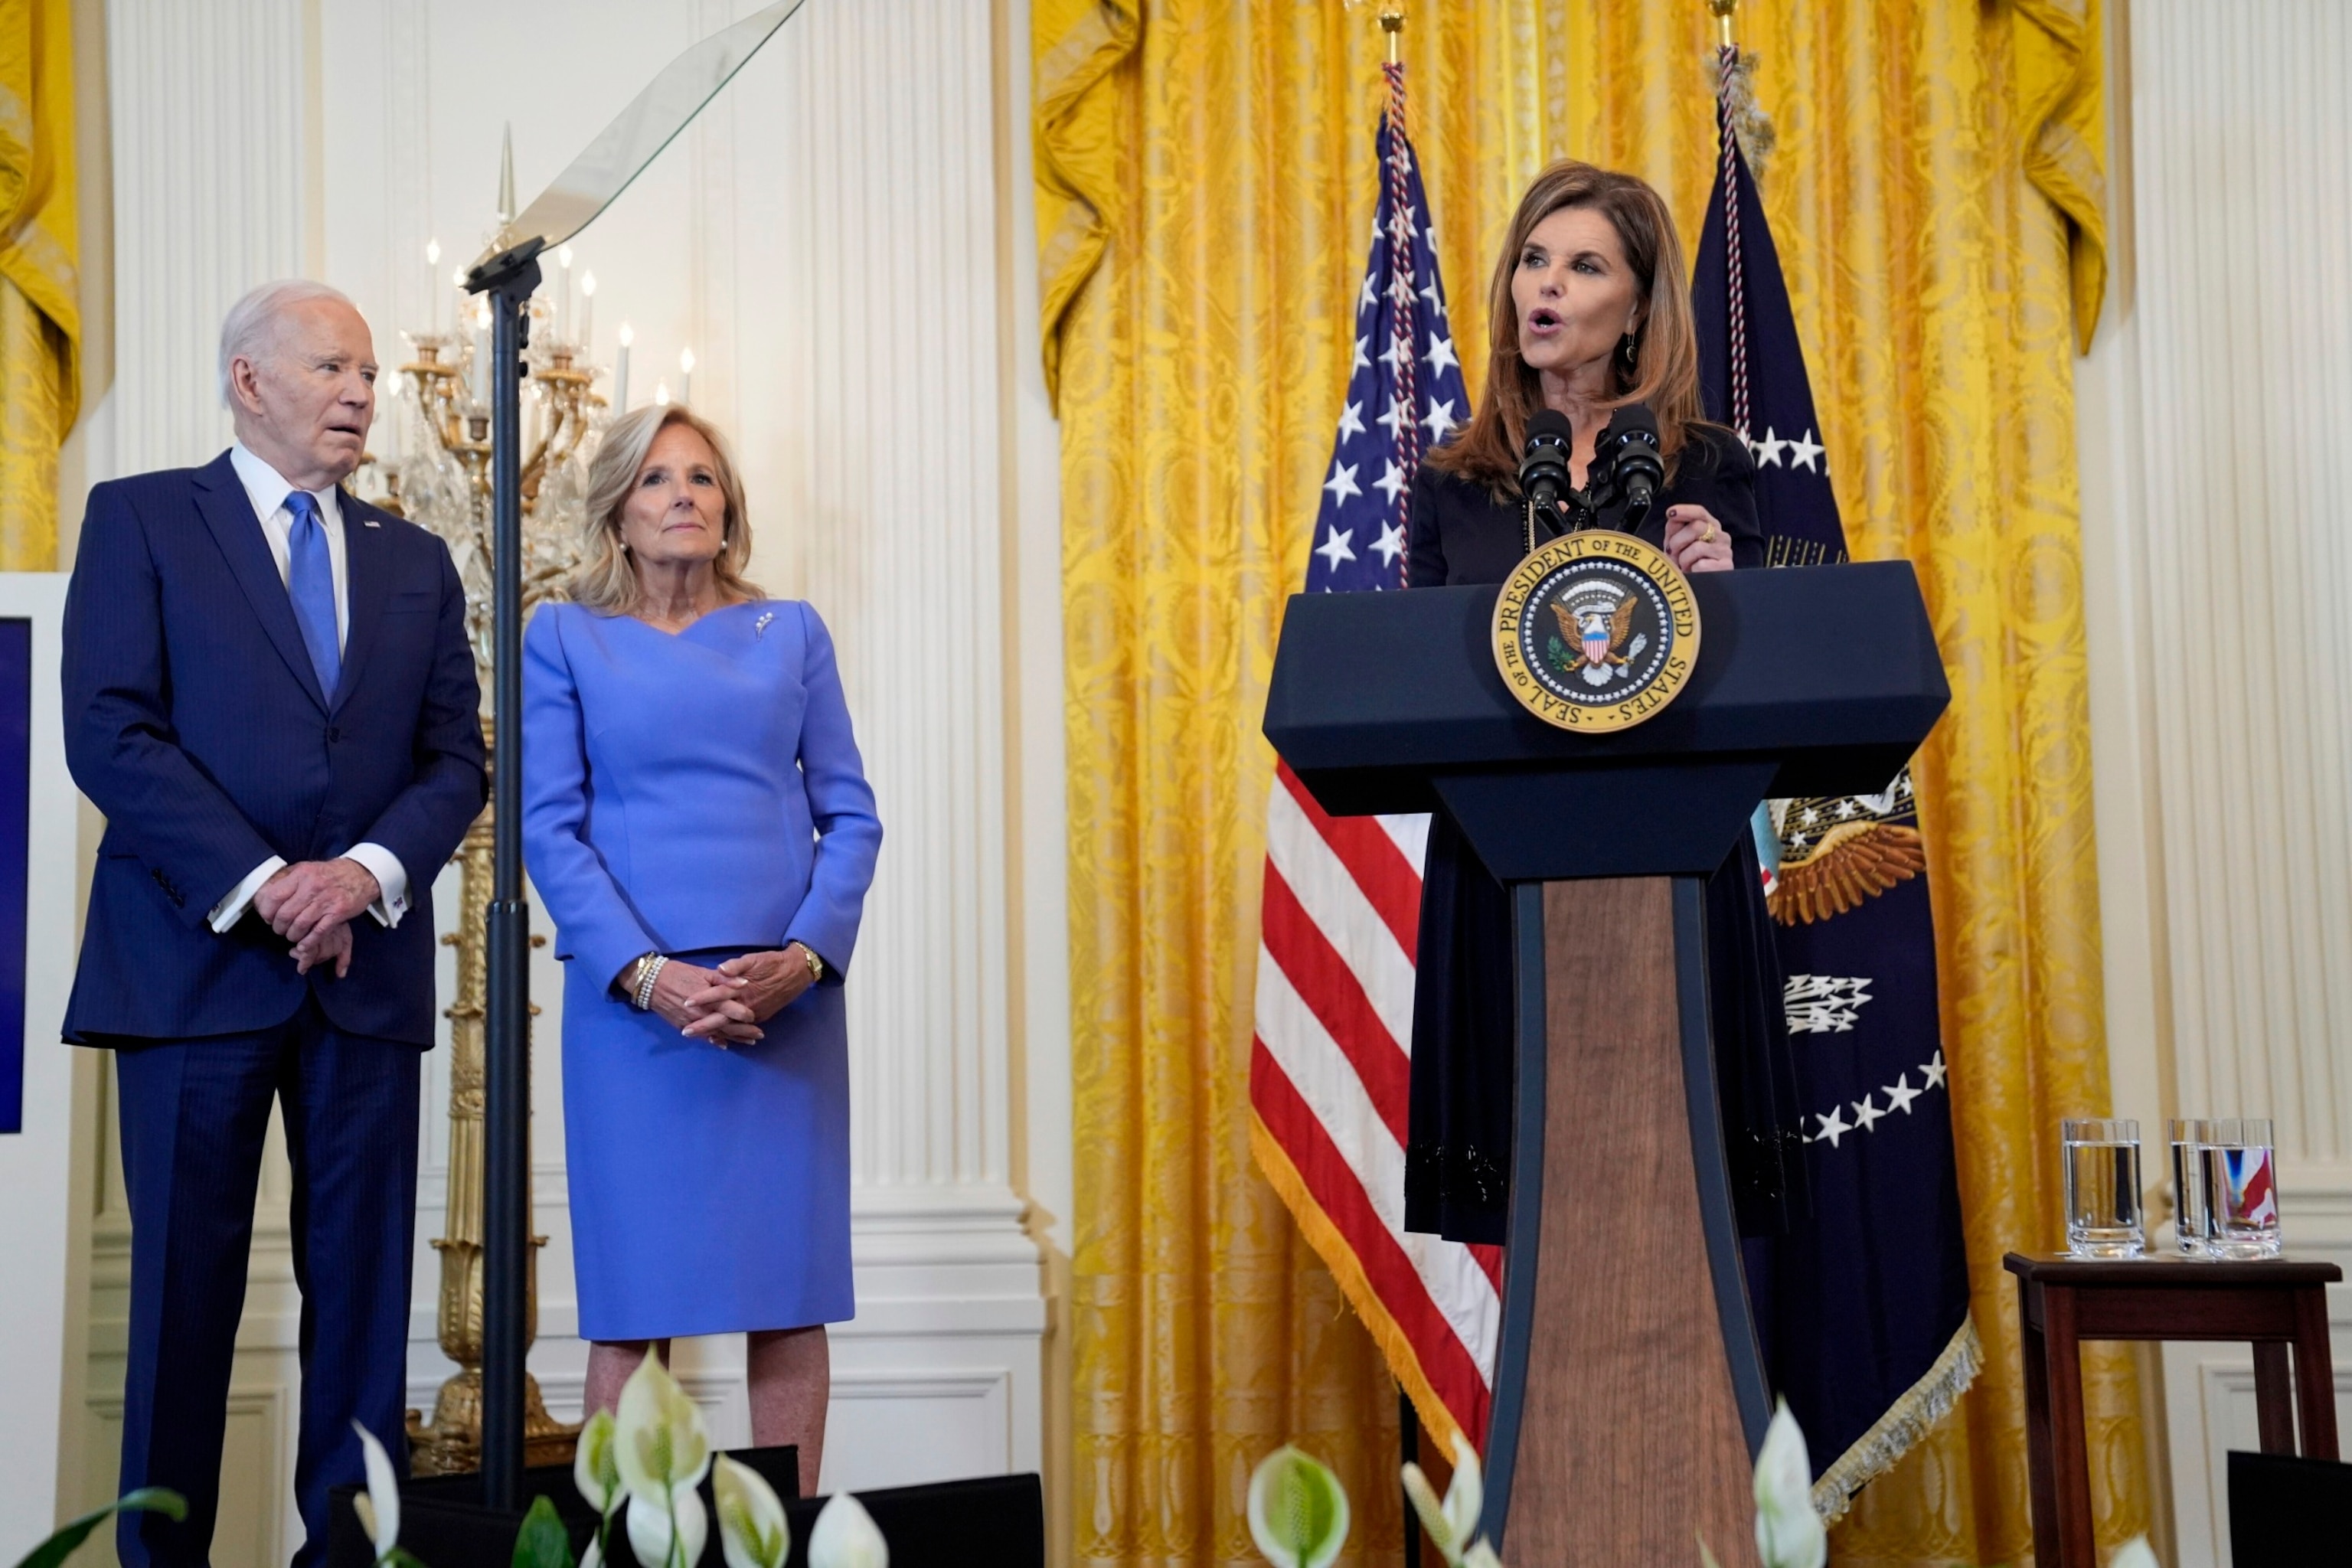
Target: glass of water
x=2242, y=1189
x=2190, y=1136
x=2102, y=1211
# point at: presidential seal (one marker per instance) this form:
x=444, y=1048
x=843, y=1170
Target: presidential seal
x=1596, y=631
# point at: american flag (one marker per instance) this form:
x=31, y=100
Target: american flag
x=1328, y=1068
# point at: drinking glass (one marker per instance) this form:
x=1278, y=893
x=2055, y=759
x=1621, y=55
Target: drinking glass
x=2242, y=1189
x=2102, y=1211
x=2189, y=1137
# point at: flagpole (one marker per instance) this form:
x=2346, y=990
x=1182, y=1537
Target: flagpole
x=1408, y=1422
x=1724, y=10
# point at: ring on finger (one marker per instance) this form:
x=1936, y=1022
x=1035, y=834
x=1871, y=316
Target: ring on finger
x=1708, y=537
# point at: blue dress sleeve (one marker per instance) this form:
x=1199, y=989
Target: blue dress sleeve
x=595, y=924
x=840, y=804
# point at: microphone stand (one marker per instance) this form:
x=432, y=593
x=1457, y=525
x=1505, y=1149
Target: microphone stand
x=508, y=280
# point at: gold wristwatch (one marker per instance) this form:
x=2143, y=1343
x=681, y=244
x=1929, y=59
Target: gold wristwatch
x=816, y=964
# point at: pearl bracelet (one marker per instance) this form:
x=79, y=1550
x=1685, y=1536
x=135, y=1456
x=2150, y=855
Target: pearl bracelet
x=649, y=969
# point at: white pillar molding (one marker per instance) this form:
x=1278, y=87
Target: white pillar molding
x=868, y=328
x=2243, y=301
x=209, y=135
x=2214, y=470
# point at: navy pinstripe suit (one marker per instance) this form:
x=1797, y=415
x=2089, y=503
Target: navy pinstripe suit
x=194, y=720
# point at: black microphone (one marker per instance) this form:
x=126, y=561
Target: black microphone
x=1543, y=466
x=1628, y=452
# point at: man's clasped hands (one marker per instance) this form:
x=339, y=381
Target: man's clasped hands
x=312, y=904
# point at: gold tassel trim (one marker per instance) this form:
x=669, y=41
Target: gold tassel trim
x=1907, y=1420
x=1339, y=1256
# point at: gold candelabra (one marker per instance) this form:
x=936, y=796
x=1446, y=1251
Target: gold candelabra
x=440, y=479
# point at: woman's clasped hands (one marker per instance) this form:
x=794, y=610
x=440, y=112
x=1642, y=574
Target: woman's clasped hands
x=726, y=1006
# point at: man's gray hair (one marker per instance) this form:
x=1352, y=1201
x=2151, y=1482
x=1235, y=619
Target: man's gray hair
x=252, y=322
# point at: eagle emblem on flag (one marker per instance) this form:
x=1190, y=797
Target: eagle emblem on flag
x=1837, y=852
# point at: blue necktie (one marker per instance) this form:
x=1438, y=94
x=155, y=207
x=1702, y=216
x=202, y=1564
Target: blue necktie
x=310, y=583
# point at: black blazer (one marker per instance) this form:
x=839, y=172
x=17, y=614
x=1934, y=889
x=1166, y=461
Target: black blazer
x=1459, y=533
x=194, y=721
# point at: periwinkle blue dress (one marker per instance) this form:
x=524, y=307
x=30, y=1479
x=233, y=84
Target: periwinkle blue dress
x=698, y=794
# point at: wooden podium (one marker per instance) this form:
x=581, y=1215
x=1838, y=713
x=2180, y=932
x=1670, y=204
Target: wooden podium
x=1629, y=1389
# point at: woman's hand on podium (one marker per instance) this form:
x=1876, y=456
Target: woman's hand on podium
x=1695, y=542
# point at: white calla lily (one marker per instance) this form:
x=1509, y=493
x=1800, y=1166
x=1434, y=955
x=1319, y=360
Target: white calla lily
x=660, y=1445
x=1431, y=1514
x=594, y=1556
x=2135, y=1553
x=1466, y=1494
x=1788, y=1532
x=650, y=1528
x=1452, y=1523
x=846, y=1536
x=595, y=1466
x=379, y=1509
x=752, y=1530
x=1297, y=1509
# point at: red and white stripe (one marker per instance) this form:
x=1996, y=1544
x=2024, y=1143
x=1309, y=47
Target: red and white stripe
x=1328, y=1076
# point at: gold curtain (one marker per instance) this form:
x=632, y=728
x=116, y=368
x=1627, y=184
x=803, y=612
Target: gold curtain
x=1205, y=195
x=40, y=314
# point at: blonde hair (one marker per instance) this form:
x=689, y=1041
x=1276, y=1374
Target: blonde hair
x=1665, y=345
x=605, y=580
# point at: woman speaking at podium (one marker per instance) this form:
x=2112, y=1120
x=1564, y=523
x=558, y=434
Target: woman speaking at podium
x=1588, y=315
x=697, y=822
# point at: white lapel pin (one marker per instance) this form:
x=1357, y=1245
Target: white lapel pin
x=759, y=626
x=370, y=523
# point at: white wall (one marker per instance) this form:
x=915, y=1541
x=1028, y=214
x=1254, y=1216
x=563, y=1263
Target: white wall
x=841, y=241
x=2215, y=475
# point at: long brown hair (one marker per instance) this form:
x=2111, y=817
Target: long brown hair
x=1664, y=347
x=605, y=579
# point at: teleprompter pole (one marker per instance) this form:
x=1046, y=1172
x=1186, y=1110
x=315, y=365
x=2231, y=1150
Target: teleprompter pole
x=508, y=280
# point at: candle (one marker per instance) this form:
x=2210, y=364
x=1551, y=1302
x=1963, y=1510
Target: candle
x=621, y=371
x=686, y=376
x=482, y=355
x=433, y=282
x=661, y=395
x=587, y=315
x=457, y=319
x=564, y=293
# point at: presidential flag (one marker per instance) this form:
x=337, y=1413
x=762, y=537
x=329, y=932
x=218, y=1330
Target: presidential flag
x=1342, y=904
x=1863, y=1306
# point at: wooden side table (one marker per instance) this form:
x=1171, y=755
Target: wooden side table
x=2273, y=1303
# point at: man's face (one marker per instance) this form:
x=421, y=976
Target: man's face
x=304, y=402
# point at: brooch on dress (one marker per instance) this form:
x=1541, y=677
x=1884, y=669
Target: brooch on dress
x=759, y=626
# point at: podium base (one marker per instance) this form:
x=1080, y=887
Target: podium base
x=1629, y=1392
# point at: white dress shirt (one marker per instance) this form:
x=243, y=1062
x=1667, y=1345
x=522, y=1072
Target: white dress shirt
x=267, y=488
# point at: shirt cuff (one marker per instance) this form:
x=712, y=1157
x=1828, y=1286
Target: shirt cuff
x=231, y=909
x=391, y=880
